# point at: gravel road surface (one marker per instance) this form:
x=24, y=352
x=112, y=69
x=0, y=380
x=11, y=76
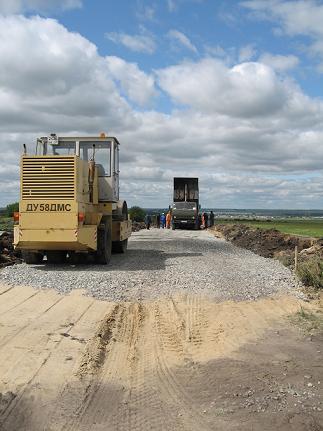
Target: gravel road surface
x=162, y=262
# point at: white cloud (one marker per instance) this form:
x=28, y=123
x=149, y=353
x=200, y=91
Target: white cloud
x=137, y=43
x=294, y=17
x=245, y=90
x=21, y=6
x=244, y=130
x=63, y=70
x=181, y=40
x=138, y=86
x=280, y=62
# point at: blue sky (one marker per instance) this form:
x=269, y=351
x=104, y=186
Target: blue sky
x=224, y=24
x=229, y=91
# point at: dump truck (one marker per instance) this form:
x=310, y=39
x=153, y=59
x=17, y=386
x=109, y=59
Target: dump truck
x=185, y=208
x=69, y=201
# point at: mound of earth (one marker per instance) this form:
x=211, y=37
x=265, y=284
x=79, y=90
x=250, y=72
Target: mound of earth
x=265, y=242
x=8, y=256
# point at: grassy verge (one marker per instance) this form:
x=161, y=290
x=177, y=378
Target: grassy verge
x=311, y=228
x=310, y=271
x=309, y=321
x=6, y=223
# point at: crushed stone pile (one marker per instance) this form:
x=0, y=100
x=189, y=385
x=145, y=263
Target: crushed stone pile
x=265, y=242
x=137, y=226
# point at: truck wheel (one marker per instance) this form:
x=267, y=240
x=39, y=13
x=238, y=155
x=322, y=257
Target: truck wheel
x=173, y=226
x=120, y=246
x=56, y=256
x=104, y=250
x=32, y=257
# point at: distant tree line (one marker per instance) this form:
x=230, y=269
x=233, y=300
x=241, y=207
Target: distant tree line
x=137, y=214
x=10, y=209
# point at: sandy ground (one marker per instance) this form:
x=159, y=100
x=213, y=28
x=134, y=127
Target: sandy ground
x=178, y=363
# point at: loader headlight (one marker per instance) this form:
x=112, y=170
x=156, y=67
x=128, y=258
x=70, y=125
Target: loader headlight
x=16, y=216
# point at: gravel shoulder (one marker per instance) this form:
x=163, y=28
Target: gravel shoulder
x=163, y=262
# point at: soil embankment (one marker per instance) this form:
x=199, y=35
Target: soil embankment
x=8, y=256
x=265, y=242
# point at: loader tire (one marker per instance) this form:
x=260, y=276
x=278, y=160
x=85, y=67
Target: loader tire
x=32, y=257
x=120, y=246
x=104, y=250
x=56, y=257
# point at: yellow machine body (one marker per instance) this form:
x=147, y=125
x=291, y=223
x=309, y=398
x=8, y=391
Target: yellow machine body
x=59, y=206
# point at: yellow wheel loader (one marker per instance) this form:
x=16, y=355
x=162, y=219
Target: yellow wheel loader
x=69, y=201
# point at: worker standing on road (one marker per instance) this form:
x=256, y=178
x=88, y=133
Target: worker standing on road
x=148, y=221
x=158, y=221
x=168, y=220
x=206, y=220
x=162, y=221
x=211, y=218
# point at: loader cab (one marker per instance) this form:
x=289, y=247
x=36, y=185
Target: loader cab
x=103, y=150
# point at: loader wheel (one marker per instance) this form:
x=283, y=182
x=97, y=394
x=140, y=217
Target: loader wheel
x=103, y=254
x=32, y=257
x=120, y=246
x=56, y=256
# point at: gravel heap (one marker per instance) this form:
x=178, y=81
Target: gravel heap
x=162, y=262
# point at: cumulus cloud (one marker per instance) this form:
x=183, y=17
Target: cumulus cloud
x=137, y=43
x=21, y=6
x=138, y=86
x=63, y=70
x=294, y=17
x=245, y=130
x=245, y=90
x=280, y=62
x=181, y=40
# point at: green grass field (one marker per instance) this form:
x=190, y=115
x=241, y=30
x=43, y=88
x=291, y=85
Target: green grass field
x=311, y=227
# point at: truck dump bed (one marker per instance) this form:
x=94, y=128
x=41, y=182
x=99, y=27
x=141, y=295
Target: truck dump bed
x=185, y=207
x=186, y=189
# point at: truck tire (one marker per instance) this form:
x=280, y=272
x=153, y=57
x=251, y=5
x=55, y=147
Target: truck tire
x=104, y=248
x=120, y=246
x=56, y=256
x=173, y=226
x=32, y=257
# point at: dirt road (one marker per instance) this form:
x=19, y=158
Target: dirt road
x=177, y=362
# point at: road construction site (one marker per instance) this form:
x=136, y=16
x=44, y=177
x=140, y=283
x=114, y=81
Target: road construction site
x=184, y=332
